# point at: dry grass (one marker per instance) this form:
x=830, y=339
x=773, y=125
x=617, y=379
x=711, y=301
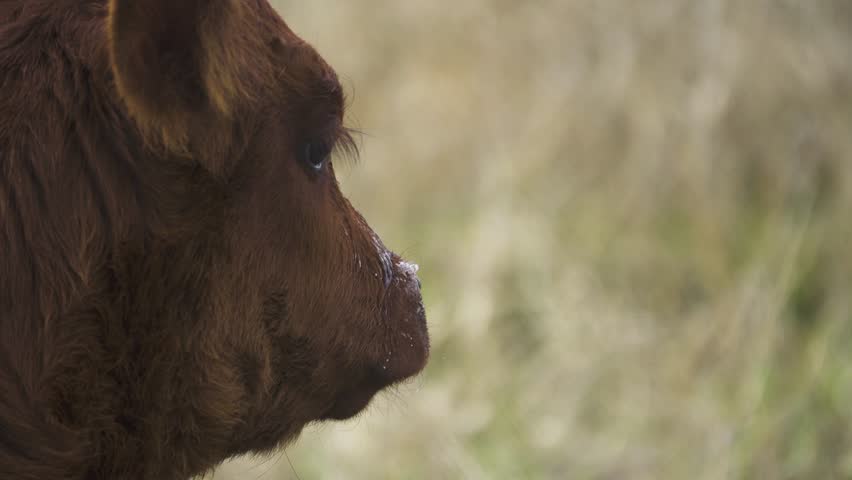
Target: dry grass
x=632, y=220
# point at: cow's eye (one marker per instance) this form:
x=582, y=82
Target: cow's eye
x=315, y=154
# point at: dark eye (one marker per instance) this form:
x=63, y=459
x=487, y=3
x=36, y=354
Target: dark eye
x=315, y=154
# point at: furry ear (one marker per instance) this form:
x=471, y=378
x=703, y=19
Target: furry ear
x=175, y=60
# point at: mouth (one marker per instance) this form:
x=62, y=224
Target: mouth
x=353, y=400
x=392, y=370
x=405, y=354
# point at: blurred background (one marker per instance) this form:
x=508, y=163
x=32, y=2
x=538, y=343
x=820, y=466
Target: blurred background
x=633, y=225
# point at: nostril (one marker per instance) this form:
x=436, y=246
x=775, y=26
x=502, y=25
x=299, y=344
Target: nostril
x=386, y=261
x=387, y=268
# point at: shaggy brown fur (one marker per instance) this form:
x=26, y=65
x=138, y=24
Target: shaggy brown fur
x=178, y=282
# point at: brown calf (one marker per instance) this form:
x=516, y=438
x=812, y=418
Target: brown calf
x=181, y=279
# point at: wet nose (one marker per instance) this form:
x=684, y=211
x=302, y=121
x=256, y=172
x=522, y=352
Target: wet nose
x=410, y=270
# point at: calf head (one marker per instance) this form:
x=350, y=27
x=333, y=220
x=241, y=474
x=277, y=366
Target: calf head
x=312, y=313
x=320, y=314
x=235, y=295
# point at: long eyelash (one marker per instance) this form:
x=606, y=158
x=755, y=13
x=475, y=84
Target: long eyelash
x=346, y=146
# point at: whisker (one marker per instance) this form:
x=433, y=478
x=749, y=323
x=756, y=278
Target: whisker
x=292, y=468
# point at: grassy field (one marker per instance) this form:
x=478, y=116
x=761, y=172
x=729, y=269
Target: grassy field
x=634, y=222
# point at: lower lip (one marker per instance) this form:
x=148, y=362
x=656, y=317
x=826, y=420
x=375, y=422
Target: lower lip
x=351, y=403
